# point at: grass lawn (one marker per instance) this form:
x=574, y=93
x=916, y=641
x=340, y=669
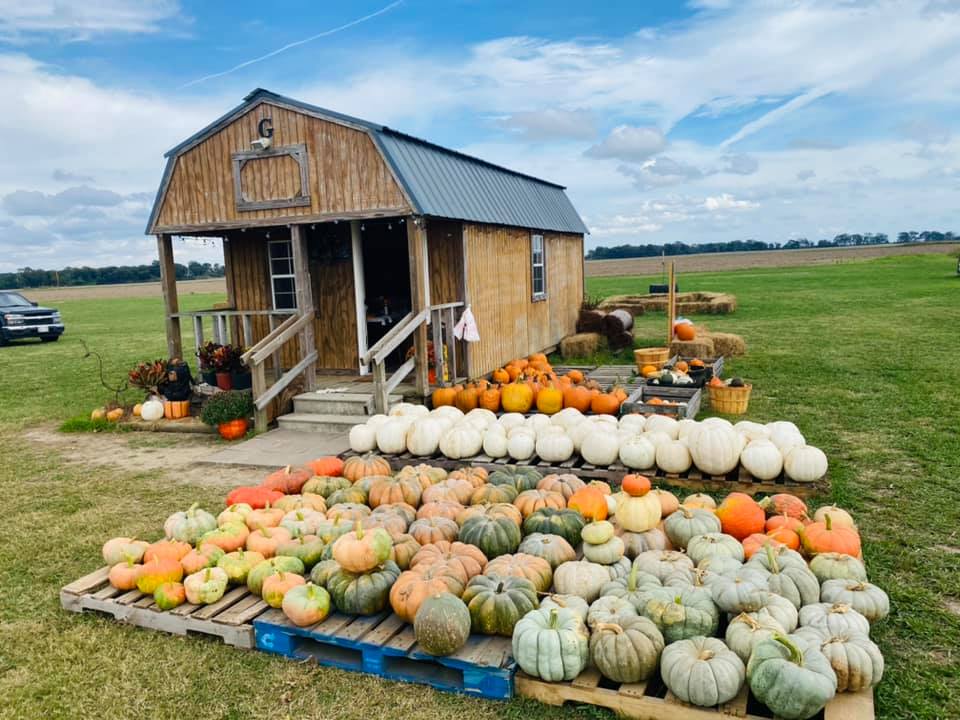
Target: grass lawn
x=859, y=355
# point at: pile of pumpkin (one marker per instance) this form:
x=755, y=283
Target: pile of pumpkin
x=464, y=551
x=530, y=385
x=714, y=446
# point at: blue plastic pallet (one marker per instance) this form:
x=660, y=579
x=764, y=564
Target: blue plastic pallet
x=385, y=645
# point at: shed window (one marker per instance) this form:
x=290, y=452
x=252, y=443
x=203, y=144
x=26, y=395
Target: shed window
x=538, y=267
x=282, y=282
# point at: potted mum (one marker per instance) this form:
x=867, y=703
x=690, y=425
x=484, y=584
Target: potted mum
x=223, y=361
x=229, y=412
x=205, y=361
x=240, y=374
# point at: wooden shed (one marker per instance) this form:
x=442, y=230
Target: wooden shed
x=353, y=248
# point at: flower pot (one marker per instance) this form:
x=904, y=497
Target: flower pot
x=208, y=376
x=233, y=430
x=432, y=376
x=176, y=409
x=241, y=380
x=224, y=381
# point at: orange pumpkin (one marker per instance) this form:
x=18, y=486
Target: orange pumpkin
x=668, y=501
x=757, y=541
x=784, y=504
x=589, y=501
x=537, y=358
x=329, y=466
x=501, y=376
x=469, y=557
x=266, y=540
x=517, y=397
x=605, y=404
x=824, y=536
x=635, y=485
x=681, y=366
x=786, y=536
x=648, y=370
x=266, y=517
x=415, y=586
x=443, y=396
x=277, y=585
x=166, y=550
x=740, y=516
x=467, y=399
x=288, y=480
x=360, y=466
x=684, y=331
x=490, y=398
x=529, y=501
x=577, y=396
x=155, y=573
x=784, y=521
x=697, y=362
x=550, y=400
x=575, y=376
x=123, y=576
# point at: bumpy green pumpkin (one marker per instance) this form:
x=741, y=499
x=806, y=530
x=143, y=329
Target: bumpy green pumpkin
x=364, y=593
x=686, y=523
x=494, y=536
x=568, y=524
x=442, y=624
x=262, y=570
x=552, y=645
x=702, y=671
x=632, y=588
x=626, y=651
x=522, y=478
x=681, y=613
x=325, y=485
x=322, y=571
x=497, y=603
x=791, y=676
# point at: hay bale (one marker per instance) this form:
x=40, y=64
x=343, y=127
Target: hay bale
x=617, y=322
x=701, y=347
x=580, y=345
x=590, y=321
x=727, y=344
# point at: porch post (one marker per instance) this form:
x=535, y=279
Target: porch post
x=171, y=305
x=419, y=294
x=301, y=272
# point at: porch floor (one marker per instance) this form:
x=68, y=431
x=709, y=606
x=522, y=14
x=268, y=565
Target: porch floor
x=360, y=384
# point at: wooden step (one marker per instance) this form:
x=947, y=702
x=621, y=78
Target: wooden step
x=345, y=403
x=320, y=422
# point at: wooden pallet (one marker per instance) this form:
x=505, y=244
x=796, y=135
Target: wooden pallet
x=652, y=701
x=385, y=645
x=229, y=618
x=738, y=480
x=688, y=399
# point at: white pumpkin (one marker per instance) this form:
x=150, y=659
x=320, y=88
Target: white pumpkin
x=495, y=442
x=762, y=459
x=423, y=436
x=508, y=421
x=408, y=409
x=461, y=441
x=664, y=424
x=151, y=410
x=392, y=435
x=657, y=437
x=582, y=578
x=673, y=457
x=521, y=443
x=638, y=514
x=752, y=430
x=377, y=420
x=782, y=425
x=685, y=427
x=568, y=418
x=601, y=448
x=634, y=421
x=805, y=463
x=638, y=453
x=786, y=439
x=555, y=447
x=363, y=438
x=715, y=448
x=537, y=421
x=480, y=418
x=580, y=432
x=449, y=412
x=717, y=421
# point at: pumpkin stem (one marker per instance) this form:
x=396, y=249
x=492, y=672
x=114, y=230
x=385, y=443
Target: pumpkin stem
x=500, y=587
x=192, y=508
x=828, y=521
x=612, y=627
x=748, y=620
x=796, y=654
x=687, y=512
x=359, y=531
x=632, y=578
x=774, y=565
x=554, y=614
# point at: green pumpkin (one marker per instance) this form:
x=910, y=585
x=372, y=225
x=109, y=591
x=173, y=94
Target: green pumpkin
x=442, y=624
x=837, y=566
x=632, y=588
x=712, y=544
x=262, y=570
x=626, y=651
x=322, y=571
x=354, y=495
x=238, y=565
x=325, y=485
x=866, y=598
x=492, y=494
x=552, y=548
x=497, y=603
x=522, y=478
x=363, y=593
x=552, y=644
x=494, y=536
x=742, y=591
x=791, y=581
x=682, y=613
x=687, y=523
x=790, y=675
x=702, y=671
x=330, y=530
x=309, y=552
x=568, y=524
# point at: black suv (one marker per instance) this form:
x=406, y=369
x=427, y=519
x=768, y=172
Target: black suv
x=20, y=318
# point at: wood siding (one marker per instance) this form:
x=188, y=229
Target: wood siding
x=445, y=251
x=347, y=175
x=499, y=291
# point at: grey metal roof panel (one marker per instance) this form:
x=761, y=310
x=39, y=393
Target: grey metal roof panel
x=445, y=183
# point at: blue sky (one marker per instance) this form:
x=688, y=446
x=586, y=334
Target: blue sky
x=698, y=121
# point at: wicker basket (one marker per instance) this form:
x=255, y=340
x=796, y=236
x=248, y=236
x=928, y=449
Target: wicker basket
x=656, y=356
x=730, y=400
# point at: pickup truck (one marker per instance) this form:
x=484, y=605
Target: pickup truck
x=20, y=318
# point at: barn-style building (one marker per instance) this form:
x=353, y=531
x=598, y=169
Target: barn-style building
x=353, y=248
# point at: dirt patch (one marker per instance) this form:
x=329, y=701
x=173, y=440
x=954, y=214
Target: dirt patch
x=177, y=458
x=952, y=605
x=948, y=549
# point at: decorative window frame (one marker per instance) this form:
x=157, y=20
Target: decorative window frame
x=274, y=276
x=297, y=152
x=535, y=295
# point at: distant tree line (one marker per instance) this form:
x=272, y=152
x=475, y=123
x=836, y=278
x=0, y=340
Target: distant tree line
x=110, y=275
x=841, y=240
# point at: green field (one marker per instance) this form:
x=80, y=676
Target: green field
x=861, y=356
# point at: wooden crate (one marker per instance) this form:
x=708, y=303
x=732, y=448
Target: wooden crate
x=652, y=701
x=385, y=645
x=229, y=618
x=689, y=399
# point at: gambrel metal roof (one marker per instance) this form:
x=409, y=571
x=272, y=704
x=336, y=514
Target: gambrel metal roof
x=437, y=181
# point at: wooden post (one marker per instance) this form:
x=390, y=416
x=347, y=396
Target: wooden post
x=259, y=387
x=231, y=293
x=359, y=291
x=381, y=398
x=671, y=302
x=419, y=295
x=171, y=305
x=301, y=272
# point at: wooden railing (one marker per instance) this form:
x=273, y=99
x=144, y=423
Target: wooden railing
x=442, y=318
x=224, y=329
x=270, y=347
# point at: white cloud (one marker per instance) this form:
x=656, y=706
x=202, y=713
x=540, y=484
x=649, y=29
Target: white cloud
x=630, y=144
x=726, y=201
x=80, y=19
x=551, y=124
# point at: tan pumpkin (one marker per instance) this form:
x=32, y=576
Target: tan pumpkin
x=529, y=501
x=469, y=557
x=415, y=586
x=395, y=490
x=434, y=529
x=452, y=489
x=565, y=484
x=360, y=466
x=425, y=475
x=533, y=568
x=493, y=510
x=476, y=476
x=440, y=508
